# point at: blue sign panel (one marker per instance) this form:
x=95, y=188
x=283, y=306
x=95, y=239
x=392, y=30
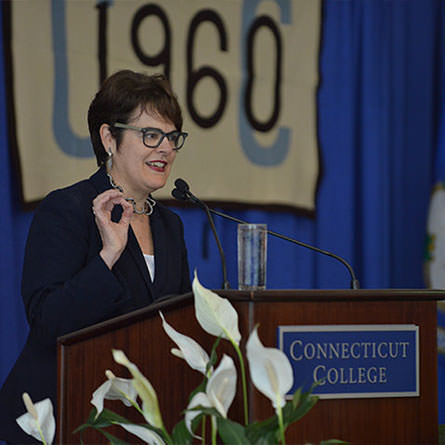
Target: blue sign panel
x=353, y=361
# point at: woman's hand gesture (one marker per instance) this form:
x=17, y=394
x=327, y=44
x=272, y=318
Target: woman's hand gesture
x=114, y=235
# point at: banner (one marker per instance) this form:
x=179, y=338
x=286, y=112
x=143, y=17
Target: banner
x=245, y=72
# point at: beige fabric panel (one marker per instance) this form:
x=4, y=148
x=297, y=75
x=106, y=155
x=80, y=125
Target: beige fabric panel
x=55, y=71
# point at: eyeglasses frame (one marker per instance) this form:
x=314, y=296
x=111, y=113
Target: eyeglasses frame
x=144, y=130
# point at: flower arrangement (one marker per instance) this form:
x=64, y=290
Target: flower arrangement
x=270, y=372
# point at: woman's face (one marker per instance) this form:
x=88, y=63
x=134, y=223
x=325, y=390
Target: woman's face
x=140, y=169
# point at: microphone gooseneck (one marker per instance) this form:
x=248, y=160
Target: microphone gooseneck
x=183, y=193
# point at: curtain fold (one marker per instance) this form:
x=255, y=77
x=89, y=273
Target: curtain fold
x=14, y=227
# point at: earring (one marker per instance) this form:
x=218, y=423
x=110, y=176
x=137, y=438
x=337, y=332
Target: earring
x=109, y=161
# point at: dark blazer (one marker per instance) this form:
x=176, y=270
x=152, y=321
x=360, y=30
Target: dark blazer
x=66, y=285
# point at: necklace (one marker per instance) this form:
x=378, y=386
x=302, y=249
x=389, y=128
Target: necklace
x=148, y=204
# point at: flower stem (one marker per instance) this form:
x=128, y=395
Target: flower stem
x=281, y=425
x=203, y=430
x=214, y=429
x=135, y=405
x=244, y=383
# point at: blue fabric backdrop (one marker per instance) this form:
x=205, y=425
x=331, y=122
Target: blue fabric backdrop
x=381, y=67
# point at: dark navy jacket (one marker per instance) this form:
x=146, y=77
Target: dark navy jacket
x=66, y=286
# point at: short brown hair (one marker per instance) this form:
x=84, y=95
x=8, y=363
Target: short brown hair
x=120, y=95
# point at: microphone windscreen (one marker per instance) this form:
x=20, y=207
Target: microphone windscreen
x=180, y=195
x=182, y=185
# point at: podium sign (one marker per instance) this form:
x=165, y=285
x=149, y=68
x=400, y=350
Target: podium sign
x=354, y=361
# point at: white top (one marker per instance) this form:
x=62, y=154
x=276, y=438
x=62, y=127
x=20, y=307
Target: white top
x=150, y=261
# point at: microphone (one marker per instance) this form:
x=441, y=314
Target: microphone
x=182, y=192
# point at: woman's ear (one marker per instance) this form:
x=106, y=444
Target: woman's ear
x=108, y=140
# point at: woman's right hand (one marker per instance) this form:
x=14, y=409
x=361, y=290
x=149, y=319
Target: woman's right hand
x=114, y=235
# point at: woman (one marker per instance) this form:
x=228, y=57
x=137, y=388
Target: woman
x=104, y=246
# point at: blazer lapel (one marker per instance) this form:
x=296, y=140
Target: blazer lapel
x=138, y=258
x=160, y=250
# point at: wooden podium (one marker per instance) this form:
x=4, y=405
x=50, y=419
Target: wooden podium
x=86, y=354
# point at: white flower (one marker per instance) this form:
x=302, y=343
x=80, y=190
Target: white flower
x=148, y=436
x=115, y=388
x=199, y=399
x=215, y=314
x=270, y=370
x=221, y=386
x=220, y=391
x=150, y=405
x=39, y=421
x=189, y=349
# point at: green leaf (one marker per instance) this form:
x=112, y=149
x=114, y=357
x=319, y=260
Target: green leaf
x=105, y=419
x=92, y=415
x=213, y=355
x=90, y=421
x=231, y=432
x=441, y=434
x=296, y=397
x=269, y=438
x=113, y=439
x=181, y=435
x=109, y=436
x=109, y=416
x=292, y=413
x=257, y=432
x=267, y=430
x=264, y=437
x=80, y=428
x=206, y=410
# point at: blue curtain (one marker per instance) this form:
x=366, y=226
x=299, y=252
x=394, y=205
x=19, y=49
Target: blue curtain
x=380, y=85
x=14, y=227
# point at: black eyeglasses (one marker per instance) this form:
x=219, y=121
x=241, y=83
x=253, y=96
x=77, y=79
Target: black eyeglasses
x=153, y=137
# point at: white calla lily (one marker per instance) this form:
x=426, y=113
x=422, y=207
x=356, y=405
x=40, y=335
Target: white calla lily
x=189, y=349
x=216, y=315
x=199, y=399
x=220, y=391
x=221, y=386
x=39, y=420
x=148, y=436
x=270, y=370
x=150, y=404
x=115, y=388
